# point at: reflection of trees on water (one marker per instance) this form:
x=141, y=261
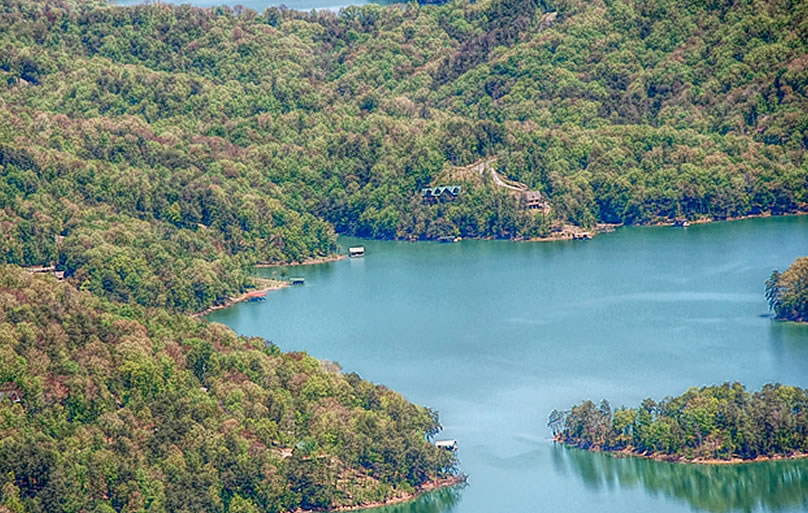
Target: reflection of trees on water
x=788, y=342
x=771, y=486
x=439, y=501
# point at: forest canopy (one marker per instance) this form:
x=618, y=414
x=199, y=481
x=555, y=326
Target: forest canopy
x=787, y=292
x=156, y=152
x=710, y=423
x=106, y=407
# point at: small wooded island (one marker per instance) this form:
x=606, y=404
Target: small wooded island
x=714, y=424
x=787, y=292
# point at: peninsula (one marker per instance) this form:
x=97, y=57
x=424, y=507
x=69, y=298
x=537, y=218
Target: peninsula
x=107, y=407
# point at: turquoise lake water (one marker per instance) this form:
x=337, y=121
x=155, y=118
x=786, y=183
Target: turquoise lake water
x=495, y=334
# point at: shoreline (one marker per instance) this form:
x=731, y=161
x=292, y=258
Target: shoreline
x=569, y=232
x=429, y=486
x=265, y=285
x=308, y=261
x=628, y=453
x=572, y=232
x=790, y=321
x=708, y=220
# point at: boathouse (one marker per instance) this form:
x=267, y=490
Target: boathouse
x=449, y=445
x=356, y=251
x=298, y=281
x=257, y=296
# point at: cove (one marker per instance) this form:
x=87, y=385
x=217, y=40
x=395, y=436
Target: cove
x=495, y=334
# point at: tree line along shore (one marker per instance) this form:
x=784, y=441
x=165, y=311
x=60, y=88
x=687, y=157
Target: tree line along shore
x=717, y=424
x=714, y=424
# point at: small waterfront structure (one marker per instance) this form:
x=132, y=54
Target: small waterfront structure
x=356, y=251
x=449, y=445
x=257, y=296
x=682, y=223
x=581, y=236
x=297, y=281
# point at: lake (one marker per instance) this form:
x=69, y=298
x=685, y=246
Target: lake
x=496, y=334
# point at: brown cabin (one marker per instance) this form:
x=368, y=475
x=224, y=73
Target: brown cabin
x=532, y=200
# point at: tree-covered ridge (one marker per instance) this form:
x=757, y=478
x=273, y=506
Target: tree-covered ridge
x=127, y=409
x=155, y=152
x=710, y=423
x=787, y=292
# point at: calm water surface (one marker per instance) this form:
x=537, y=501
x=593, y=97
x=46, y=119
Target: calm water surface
x=495, y=334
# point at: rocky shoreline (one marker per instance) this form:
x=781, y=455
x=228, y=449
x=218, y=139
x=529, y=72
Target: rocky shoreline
x=308, y=261
x=429, y=486
x=264, y=285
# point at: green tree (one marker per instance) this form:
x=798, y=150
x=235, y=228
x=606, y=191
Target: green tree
x=787, y=292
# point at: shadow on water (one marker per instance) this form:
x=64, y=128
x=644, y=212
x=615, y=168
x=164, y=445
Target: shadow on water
x=439, y=501
x=768, y=486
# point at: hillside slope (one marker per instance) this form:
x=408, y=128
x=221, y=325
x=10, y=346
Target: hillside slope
x=156, y=152
x=125, y=409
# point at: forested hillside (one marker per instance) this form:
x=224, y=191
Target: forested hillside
x=156, y=152
x=710, y=423
x=109, y=408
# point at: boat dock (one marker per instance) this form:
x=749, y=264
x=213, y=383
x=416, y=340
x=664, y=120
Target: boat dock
x=449, y=445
